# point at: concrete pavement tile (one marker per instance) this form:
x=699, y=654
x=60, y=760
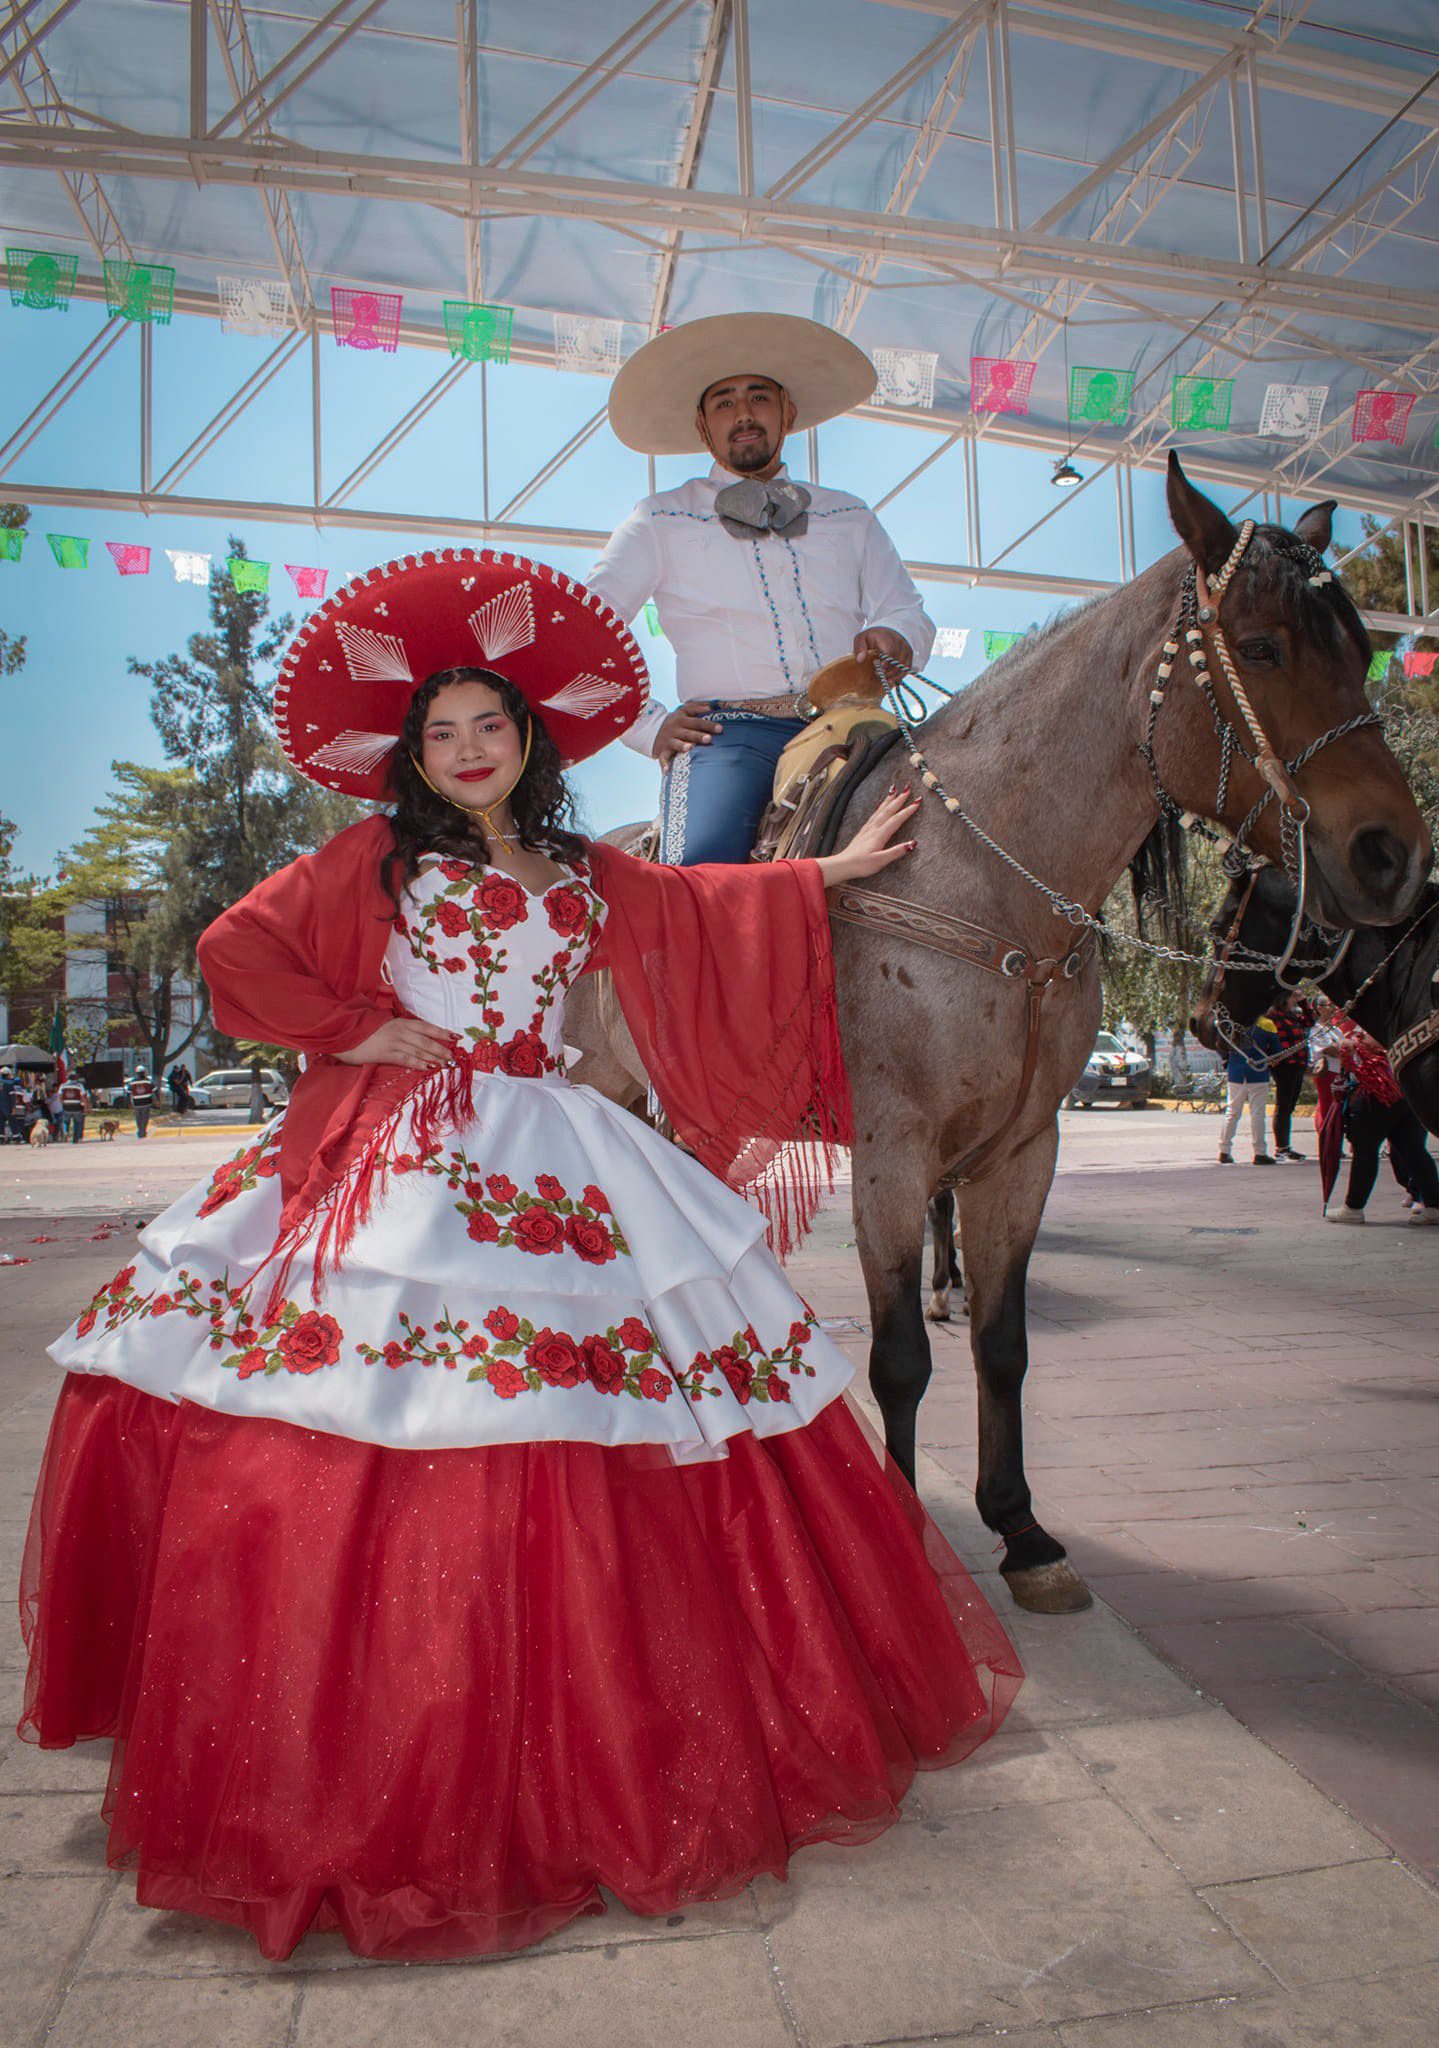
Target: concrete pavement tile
x=1422, y=1573
x=1219, y=1804
x=1210, y=1550
x=47, y=1832
x=1090, y=1667
x=1422, y=1686
x=1175, y=1597
x=1018, y=1766
x=1316, y=1925
x=1370, y=1748
x=1384, y=1533
x=43, y=1926
x=718, y=1993
x=239, y=2014
x=1249, y=1648
x=1400, y=1642
x=1392, y=2011
x=25, y=1768
x=141, y=1941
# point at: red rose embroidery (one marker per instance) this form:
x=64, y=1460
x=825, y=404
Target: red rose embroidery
x=591, y=1240
x=162, y=1305
x=596, y=1199
x=485, y=1056
x=536, y=1230
x=121, y=1281
x=86, y=1323
x=252, y=1362
x=547, y=1186
x=482, y=1227
x=524, y=1056
x=452, y=919
x=311, y=1342
x=501, y=1323
x=798, y=1334
x=557, y=1359
x=395, y=1355
x=268, y=1166
x=506, y=1380
x=635, y=1335
x=778, y=1388
x=453, y=966
x=454, y=870
x=568, y=911
x=604, y=1365
x=501, y=1187
x=501, y=902
x=654, y=1384
x=738, y=1371
x=474, y=1347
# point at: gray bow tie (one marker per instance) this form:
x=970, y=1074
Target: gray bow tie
x=755, y=505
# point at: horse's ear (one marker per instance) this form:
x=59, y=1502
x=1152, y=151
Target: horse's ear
x=1317, y=524
x=1198, y=521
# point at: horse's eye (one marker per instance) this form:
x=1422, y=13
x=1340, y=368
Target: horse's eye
x=1260, y=651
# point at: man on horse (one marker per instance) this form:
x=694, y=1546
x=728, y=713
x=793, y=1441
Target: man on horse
x=758, y=581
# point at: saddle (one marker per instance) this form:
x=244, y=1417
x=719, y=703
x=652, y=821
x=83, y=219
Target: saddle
x=820, y=768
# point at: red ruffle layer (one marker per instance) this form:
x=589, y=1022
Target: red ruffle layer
x=438, y=1699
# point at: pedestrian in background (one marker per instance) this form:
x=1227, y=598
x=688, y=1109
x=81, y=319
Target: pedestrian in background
x=74, y=1099
x=1292, y=1019
x=1247, y=1073
x=141, y=1091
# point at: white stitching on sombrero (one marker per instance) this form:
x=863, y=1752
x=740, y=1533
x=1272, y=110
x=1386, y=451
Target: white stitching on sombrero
x=353, y=752
x=584, y=696
x=505, y=622
x=374, y=657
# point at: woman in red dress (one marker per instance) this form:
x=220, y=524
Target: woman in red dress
x=453, y=1512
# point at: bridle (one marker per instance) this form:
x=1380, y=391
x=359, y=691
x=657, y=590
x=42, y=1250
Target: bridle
x=1199, y=601
x=1231, y=952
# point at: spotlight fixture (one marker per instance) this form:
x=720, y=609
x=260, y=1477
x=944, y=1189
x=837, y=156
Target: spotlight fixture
x=1066, y=476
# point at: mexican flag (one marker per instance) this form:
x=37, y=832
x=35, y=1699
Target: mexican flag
x=57, y=1045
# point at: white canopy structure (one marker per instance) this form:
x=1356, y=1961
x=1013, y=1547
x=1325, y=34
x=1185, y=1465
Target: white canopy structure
x=1239, y=193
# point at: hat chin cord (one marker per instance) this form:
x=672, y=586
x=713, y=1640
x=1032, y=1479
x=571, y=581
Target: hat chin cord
x=482, y=811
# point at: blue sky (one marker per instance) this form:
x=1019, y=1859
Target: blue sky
x=75, y=708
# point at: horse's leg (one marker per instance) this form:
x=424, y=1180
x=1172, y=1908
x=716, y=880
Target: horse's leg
x=944, y=1273
x=1000, y=1220
x=891, y=1252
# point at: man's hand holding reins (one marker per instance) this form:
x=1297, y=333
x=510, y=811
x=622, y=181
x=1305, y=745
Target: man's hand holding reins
x=403, y=1042
x=871, y=848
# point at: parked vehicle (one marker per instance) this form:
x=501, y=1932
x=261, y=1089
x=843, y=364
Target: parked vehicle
x=229, y=1088
x=1113, y=1073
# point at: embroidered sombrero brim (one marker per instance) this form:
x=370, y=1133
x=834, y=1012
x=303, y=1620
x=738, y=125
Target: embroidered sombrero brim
x=346, y=683
x=653, y=399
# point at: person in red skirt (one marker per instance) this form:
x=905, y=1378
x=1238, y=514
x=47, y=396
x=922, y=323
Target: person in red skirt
x=452, y=1514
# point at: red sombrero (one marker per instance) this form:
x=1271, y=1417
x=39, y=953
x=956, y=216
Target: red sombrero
x=346, y=683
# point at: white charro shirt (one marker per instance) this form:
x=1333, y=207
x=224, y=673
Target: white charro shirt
x=755, y=618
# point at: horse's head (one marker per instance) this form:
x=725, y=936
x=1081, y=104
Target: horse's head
x=1300, y=655
x=1255, y=917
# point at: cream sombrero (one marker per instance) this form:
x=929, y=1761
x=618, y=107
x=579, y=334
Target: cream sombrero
x=653, y=399
x=346, y=683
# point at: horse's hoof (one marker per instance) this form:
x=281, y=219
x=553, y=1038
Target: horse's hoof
x=938, y=1310
x=1049, y=1589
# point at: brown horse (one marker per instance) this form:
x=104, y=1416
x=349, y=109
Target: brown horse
x=1075, y=753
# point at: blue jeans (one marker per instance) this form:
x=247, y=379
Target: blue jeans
x=713, y=797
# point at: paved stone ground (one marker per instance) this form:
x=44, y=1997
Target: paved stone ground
x=1233, y=1421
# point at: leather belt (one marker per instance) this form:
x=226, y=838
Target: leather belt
x=789, y=706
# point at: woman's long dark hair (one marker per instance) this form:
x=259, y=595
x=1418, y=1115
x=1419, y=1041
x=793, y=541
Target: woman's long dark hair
x=540, y=803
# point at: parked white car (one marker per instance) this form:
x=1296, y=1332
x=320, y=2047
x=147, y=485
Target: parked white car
x=229, y=1088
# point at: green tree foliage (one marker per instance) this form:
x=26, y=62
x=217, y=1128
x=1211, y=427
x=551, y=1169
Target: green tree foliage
x=1382, y=580
x=30, y=948
x=245, y=813
x=12, y=651
x=129, y=861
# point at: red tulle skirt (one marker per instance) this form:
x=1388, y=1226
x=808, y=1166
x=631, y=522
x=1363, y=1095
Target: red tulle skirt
x=440, y=1698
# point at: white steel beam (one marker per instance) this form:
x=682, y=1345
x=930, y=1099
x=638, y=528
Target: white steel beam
x=701, y=107
x=582, y=88
x=254, y=106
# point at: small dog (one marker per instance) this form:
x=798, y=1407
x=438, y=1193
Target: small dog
x=109, y=1127
x=40, y=1132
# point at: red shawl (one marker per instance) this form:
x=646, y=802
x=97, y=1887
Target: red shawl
x=725, y=976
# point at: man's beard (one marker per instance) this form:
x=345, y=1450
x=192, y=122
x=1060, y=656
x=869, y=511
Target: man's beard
x=754, y=455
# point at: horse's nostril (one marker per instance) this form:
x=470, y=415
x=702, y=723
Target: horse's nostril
x=1379, y=859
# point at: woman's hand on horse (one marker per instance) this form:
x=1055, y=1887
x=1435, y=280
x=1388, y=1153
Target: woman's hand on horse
x=403, y=1042
x=871, y=847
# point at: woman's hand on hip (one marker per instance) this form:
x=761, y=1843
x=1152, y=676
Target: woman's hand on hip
x=403, y=1042
x=871, y=848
